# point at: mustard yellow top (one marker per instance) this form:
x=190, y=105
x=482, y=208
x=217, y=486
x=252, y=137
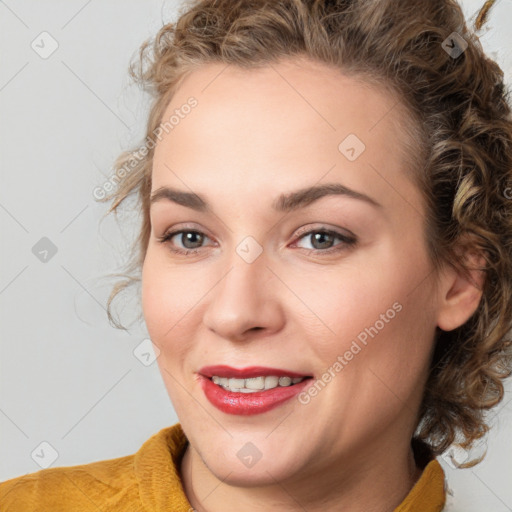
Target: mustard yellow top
x=149, y=481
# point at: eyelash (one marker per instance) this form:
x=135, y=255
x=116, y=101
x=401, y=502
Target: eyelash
x=347, y=241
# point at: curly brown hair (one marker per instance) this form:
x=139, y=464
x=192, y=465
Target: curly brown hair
x=461, y=125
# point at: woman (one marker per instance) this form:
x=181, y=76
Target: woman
x=325, y=260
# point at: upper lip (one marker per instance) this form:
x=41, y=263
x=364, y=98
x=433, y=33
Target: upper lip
x=246, y=373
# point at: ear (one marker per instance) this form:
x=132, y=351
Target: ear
x=459, y=296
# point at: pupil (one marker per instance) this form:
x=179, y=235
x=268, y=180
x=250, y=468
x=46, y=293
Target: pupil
x=316, y=238
x=189, y=238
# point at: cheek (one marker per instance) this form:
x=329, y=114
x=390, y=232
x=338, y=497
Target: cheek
x=385, y=326
x=346, y=301
x=169, y=314
x=382, y=301
x=171, y=303
x=171, y=294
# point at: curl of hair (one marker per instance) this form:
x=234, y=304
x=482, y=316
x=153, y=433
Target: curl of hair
x=459, y=119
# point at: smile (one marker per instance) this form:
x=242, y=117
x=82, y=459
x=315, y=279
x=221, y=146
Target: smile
x=255, y=384
x=251, y=390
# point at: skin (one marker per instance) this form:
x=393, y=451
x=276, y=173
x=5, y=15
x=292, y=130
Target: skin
x=254, y=135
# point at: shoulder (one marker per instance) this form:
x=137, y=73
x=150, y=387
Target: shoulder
x=131, y=483
x=85, y=486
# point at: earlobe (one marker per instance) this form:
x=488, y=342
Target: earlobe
x=460, y=295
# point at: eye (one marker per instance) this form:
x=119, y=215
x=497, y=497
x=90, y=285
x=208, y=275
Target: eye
x=191, y=240
x=322, y=240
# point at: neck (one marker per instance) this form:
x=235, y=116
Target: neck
x=389, y=477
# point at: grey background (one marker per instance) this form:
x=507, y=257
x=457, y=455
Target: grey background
x=67, y=377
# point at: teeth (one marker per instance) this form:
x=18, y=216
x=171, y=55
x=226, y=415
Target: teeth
x=254, y=384
x=285, y=381
x=271, y=382
x=236, y=383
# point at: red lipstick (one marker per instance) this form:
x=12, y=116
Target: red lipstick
x=246, y=373
x=246, y=404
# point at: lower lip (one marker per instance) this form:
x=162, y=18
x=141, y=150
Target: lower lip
x=249, y=403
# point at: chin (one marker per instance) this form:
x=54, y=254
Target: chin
x=232, y=472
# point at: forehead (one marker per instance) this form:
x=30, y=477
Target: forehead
x=291, y=122
x=294, y=93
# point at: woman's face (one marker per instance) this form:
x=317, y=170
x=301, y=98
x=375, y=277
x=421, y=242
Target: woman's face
x=337, y=287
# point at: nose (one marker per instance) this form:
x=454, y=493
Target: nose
x=245, y=302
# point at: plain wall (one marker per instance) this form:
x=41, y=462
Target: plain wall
x=67, y=377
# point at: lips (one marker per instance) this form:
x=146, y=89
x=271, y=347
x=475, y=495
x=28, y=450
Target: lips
x=234, y=402
x=247, y=373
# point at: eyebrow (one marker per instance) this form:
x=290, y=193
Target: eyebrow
x=284, y=203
